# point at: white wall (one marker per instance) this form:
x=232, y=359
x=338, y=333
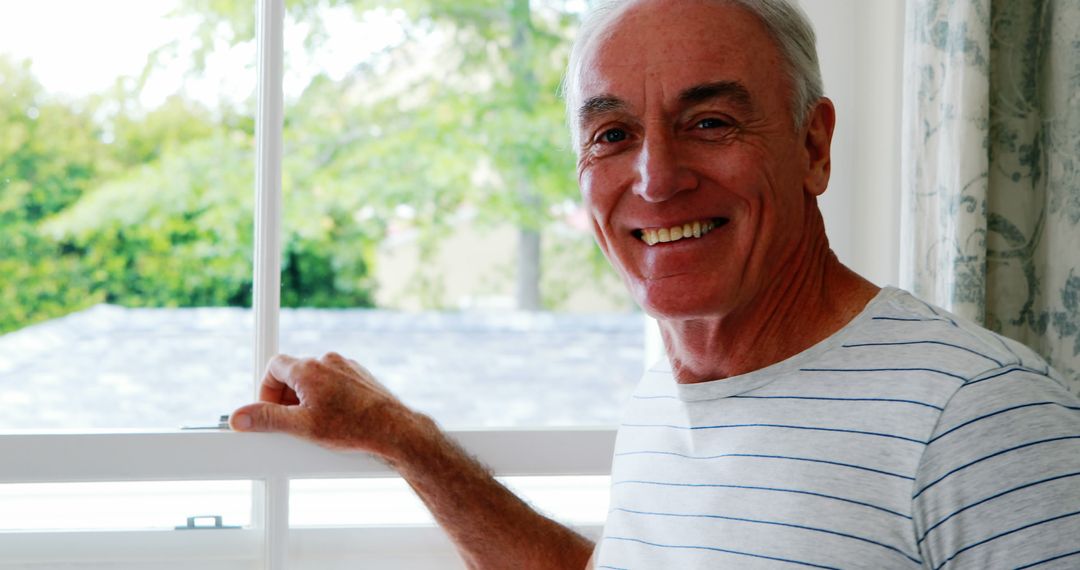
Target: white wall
x=860, y=44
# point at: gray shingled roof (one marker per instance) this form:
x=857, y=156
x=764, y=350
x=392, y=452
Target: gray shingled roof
x=111, y=366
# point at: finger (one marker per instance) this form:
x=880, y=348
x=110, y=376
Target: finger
x=336, y=361
x=289, y=370
x=267, y=417
x=279, y=382
x=333, y=358
x=275, y=391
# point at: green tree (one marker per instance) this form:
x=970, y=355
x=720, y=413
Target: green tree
x=177, y=231
x=462, y=109
x=50, y=154
x=104, y=201
x=171, y=232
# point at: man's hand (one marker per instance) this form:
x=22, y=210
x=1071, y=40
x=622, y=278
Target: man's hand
x=337, y=403
x=332, y=401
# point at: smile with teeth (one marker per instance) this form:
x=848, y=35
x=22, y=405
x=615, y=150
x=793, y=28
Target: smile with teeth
x=696, y=229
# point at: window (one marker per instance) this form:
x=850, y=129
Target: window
x=429, y=195
x=126, y=217
x=421, y=170
x=271, y=461
x=428, y=226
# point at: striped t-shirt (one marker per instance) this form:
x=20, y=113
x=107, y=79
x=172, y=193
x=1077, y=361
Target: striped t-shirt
x=910, y=438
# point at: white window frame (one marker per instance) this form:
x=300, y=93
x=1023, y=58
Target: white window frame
x=271, y=460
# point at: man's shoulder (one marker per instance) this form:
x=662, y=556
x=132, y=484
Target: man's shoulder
x=933, y=335
x=904, y=347
x=1001, y=460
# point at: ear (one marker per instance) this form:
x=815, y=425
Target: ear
x=819, y=131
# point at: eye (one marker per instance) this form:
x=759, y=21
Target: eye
x=712, y=123
x=613, y=136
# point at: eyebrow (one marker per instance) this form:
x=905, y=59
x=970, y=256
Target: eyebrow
x=599, y=105
x=732, y=91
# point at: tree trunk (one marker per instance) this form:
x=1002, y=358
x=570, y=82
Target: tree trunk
x=528, y=270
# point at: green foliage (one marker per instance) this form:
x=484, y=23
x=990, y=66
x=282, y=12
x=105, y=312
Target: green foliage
x=143, y=139
x=49, y=157
x=49, y=151
x=161, y=216
x=174, y=232
x=102, y=201
x=482, y=127
x=37, y=282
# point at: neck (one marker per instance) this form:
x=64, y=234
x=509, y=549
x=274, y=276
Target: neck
x=815, y=297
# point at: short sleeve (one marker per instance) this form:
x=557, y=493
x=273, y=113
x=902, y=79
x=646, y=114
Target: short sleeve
x=999, y=482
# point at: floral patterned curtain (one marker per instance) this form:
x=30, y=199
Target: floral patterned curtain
x=991, y=167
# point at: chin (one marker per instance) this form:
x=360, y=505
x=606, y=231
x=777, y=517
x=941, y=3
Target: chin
x=681, y=305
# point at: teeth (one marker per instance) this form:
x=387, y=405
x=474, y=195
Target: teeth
x=653, y=236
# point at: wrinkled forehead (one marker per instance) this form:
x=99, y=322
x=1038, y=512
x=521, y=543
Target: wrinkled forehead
x=673, y=46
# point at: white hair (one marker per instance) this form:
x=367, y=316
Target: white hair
x=786, y=22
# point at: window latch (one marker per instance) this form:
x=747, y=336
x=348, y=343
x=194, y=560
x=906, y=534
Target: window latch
x=203, y=523
x=223, y=423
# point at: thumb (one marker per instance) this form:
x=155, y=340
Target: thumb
x=264, y=416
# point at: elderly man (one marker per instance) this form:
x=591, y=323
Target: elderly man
x=807, y=417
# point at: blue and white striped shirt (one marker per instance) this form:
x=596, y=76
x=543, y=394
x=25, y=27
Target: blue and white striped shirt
x=908, y=439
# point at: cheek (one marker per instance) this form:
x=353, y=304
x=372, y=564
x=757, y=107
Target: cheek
x=747, y=176
x=600, y=198
x=599, y=236
x=781, y=203
x=770, y=212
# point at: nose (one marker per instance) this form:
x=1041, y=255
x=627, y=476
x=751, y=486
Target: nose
x=661, y=171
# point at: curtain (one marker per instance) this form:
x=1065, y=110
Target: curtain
x=991, y=167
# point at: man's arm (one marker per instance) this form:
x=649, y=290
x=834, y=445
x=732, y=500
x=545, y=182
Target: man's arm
x=338, y=404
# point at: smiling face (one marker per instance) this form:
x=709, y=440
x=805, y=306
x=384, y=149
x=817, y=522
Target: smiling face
x=684, y=122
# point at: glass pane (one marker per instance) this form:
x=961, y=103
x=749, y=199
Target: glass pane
x=349, y=502
x=574, y=500
x=126, y=176
x=123, y=506
x=433, y=228
x=202, y=564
